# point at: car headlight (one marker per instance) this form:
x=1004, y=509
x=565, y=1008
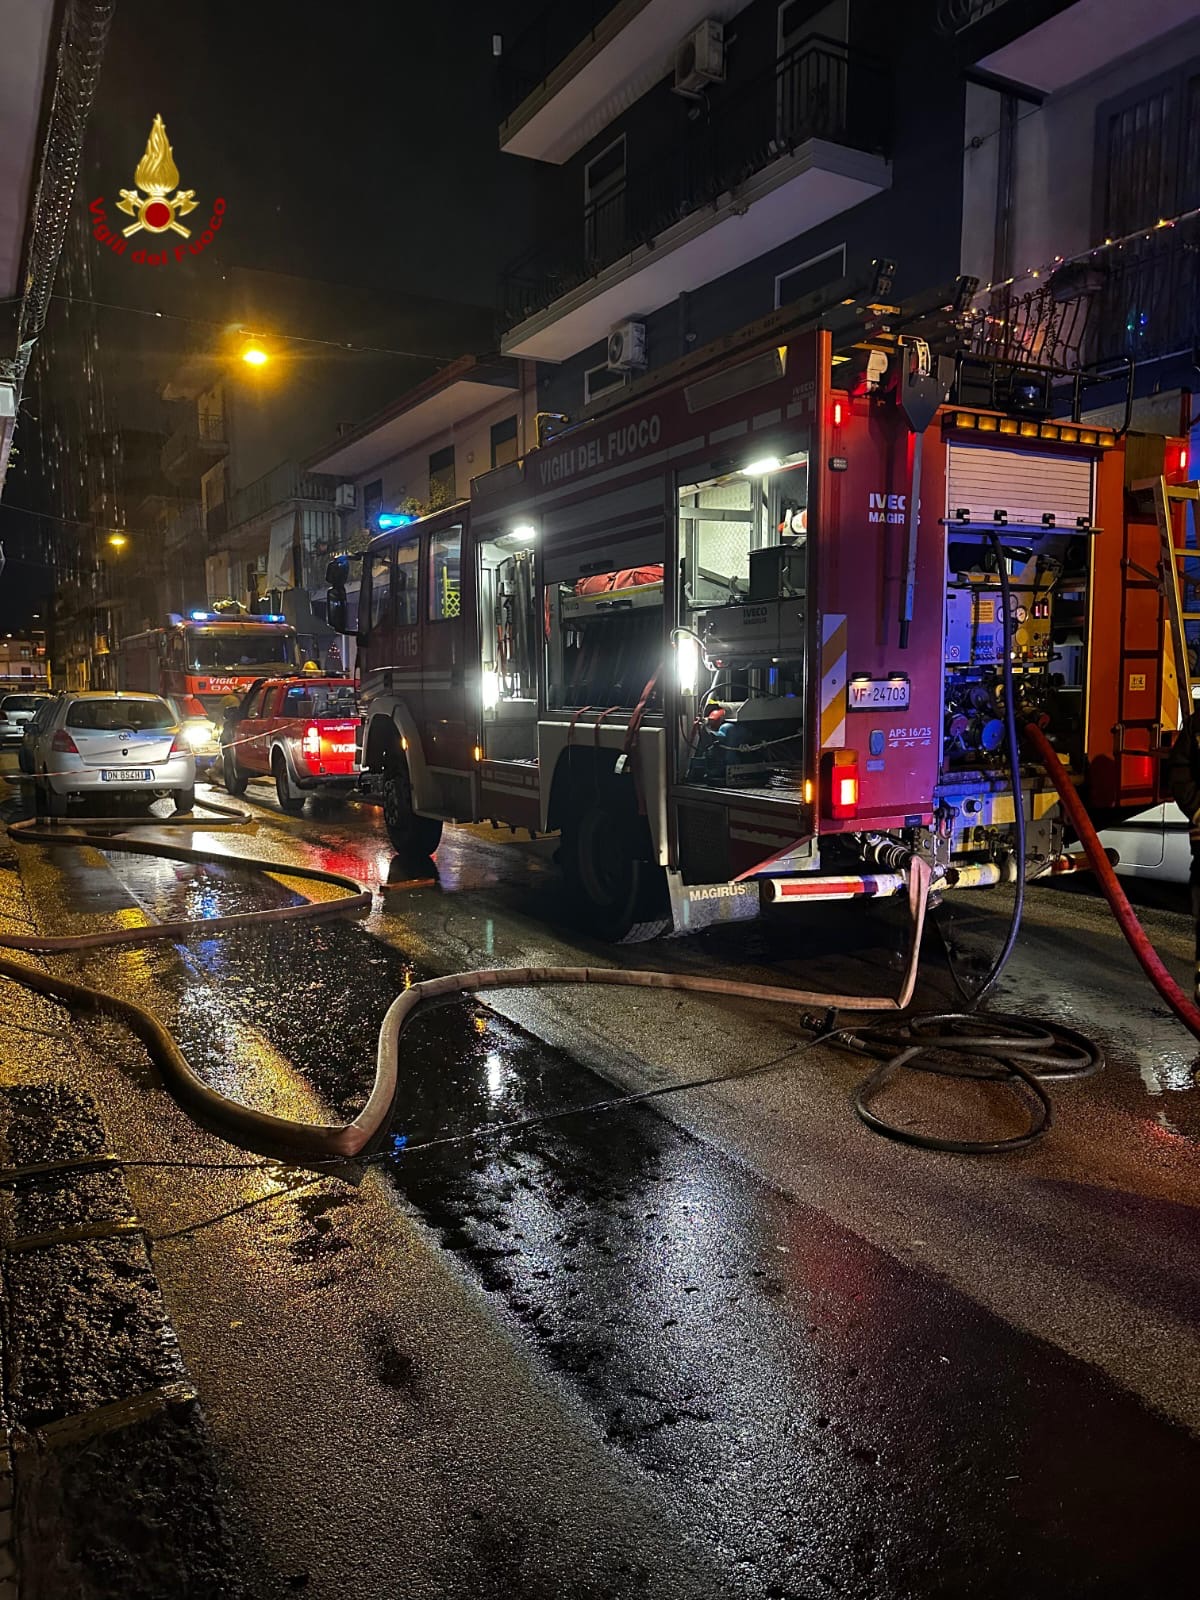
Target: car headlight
x=197, y=734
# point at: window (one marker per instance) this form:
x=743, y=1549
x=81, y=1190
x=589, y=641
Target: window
x=372, y=502
x=381, y=575
x=599, y=380
x=222, y=648
x=1150, y=153
x=604, y=202
x=441, y=477
x=504, y=442
x=1147, y=168
x=810, y=93
x=252, y=706
x=405, y=580
x=816, y=273
x=445, y=551
x=320, y=700
x=111, y=716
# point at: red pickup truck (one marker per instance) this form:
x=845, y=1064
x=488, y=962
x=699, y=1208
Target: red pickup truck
x=299, y=731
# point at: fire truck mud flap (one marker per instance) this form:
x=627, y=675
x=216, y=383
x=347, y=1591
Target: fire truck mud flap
x=698, y=906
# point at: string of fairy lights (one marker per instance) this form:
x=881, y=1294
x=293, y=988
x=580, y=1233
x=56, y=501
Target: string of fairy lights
x=1049, y=268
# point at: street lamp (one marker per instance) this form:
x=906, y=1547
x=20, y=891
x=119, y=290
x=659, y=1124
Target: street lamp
x=118, y=541
x=255, y=356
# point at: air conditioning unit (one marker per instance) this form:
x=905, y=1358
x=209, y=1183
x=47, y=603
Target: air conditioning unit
x=627, y=347
x=700, y=58
x=345, y=496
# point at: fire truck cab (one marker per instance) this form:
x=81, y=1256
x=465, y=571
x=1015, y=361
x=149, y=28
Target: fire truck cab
x=205, y=659
x=740, y=637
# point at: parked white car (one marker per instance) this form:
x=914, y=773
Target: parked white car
x=1153, y=844
x=107, y=742
x=16, y=710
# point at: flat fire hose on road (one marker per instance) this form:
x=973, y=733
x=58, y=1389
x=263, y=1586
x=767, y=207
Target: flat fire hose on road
x=1018, y=1053
x=339, y=1141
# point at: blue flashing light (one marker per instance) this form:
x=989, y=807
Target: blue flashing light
x=201, y=616
x=272, y=616
x=387, y=520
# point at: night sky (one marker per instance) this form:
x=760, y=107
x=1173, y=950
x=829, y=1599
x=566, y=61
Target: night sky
x=352, y=142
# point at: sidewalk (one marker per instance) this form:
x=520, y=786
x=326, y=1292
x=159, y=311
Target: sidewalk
x=115, y=1486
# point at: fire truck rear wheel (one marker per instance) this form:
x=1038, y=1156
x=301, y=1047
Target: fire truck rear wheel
x=611, y=883
x=234, y=779
x=290, y=800
x=410, y=835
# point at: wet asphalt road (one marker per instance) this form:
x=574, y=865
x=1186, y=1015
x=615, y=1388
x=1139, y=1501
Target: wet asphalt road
x=783, y=1357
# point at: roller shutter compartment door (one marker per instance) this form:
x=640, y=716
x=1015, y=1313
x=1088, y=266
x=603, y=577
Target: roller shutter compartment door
x=1025, y=484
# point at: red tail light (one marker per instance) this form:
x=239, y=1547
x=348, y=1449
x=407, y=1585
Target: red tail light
x=178, y=747
x=841, y=785
x=64, y=744
x=311, y=743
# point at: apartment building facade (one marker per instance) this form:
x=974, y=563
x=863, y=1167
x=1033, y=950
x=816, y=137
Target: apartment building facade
x=713, y=162
x=421, y=452
x=24, y=662
x=1081, y=183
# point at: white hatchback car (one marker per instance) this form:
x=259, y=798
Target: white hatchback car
x=107, y=742
x=16, y=712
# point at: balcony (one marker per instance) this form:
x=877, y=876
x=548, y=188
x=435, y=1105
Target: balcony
x=1051, y=44
x=777, y=157
x=281, y=485
x=192, y=448
x=1139, y=302
x=578, y=66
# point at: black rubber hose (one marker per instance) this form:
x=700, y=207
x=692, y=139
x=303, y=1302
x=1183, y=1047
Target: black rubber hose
x=1014, y=1052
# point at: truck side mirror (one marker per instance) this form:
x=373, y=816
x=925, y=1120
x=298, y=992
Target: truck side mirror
x=335, y=607
x=337, y=574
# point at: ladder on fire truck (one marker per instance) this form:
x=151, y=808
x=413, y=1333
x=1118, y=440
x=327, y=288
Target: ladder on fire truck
x=1180, y=570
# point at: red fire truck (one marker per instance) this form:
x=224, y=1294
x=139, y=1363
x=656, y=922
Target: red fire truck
x=204, y=661
x=740, y=636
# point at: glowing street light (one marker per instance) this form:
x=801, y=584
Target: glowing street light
x=118, y=541
x=255, y=356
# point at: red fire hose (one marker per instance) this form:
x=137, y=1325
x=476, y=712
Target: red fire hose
x=1148, y=957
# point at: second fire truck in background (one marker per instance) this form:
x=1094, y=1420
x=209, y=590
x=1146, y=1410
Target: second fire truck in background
x=205, y=661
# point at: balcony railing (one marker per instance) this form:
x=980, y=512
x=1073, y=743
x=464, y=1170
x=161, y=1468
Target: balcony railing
x=194, y=446
x=1139, y=301
x=284, y=482
x=956, y=16
x=820, y=90
x=549, y=39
